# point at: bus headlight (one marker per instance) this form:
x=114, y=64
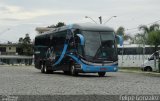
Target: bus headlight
x=115, y=68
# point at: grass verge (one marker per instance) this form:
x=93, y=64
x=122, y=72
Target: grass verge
x=138, y=70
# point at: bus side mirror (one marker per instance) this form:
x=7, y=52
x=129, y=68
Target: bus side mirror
x=81, y=39
x=120, y=40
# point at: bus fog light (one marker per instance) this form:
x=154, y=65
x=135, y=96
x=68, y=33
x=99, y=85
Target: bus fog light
x=115, y=68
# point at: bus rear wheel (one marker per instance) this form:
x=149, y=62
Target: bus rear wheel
x=101, y=74
x=44, y=69
x=73, y=70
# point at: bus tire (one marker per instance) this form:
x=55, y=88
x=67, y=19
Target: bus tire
x=148, y=68
x=66, y=72
x=46, y=70
x=101, y=74
x=42, y=68
x=73, y=71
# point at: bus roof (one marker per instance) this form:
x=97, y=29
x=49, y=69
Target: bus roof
x=92, y=27
x=82, y=26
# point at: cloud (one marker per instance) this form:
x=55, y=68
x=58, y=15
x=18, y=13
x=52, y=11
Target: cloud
x=15, y=13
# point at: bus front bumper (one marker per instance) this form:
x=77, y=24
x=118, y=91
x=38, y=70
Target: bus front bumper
x=95, y=69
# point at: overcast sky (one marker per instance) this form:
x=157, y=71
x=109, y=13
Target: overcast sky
x=23, y=16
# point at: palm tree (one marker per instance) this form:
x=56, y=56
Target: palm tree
x=151, y=28
x=121, y=31
x=154, y=39
x=154, y=27
x=146, y=30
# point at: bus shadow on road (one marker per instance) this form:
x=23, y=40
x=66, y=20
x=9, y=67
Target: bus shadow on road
x=91, y=75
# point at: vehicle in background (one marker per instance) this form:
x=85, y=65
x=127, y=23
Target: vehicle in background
x=133, y=55
x=2, y=63
x=77, y=48
x=151, y=64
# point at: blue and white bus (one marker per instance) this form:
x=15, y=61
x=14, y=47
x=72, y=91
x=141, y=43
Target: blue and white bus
x=77, y=48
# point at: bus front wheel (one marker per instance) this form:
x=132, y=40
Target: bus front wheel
x=73, y=70
x=101, y=74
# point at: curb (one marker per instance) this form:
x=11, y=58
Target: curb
x=139, y=72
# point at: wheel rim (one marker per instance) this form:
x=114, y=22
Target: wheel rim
x=42, y=69
x=72, y=69
x=45, y=69
x=148, y=69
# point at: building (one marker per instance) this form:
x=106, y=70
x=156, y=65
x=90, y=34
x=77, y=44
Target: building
x=9, y=55
x=8, y=49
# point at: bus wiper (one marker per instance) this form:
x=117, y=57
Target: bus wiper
x=99, y=50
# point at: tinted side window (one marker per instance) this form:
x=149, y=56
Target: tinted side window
x=42, y=40
x=59, y=38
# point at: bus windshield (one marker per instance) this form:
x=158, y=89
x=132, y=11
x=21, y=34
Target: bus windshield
x=99, y=46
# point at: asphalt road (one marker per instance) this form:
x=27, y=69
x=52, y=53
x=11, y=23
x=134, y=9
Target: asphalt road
x=23, y=80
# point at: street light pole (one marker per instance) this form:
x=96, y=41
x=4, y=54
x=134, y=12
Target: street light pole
x=110, y=19
x=91, y=19
x=100, y=19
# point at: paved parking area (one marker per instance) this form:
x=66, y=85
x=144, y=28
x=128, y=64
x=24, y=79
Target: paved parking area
x=25, y=80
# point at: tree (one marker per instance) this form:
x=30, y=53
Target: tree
x=151, y=36
x=154, y=39
x=25, y=46
x=41, y=30
x=20, y=40
x=121, y=31
x=59, y=24
x=146, y=30
x=27, y=39
x=139, y=38
x=154, y=27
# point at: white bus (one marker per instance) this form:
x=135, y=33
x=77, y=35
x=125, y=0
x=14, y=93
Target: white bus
x=134, y=55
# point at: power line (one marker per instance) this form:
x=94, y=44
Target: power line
x=153, y=22
x=4, y=31
x=145, y=24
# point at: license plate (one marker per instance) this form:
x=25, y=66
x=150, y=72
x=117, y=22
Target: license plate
x=103, y=68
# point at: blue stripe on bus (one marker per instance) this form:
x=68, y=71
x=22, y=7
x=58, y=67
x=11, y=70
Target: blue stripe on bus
x=62, y=55
x=91, y=68
x=64, y=49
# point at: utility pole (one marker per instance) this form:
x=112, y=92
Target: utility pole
x=91, y=19
x=100, y=19
x=110, y=19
